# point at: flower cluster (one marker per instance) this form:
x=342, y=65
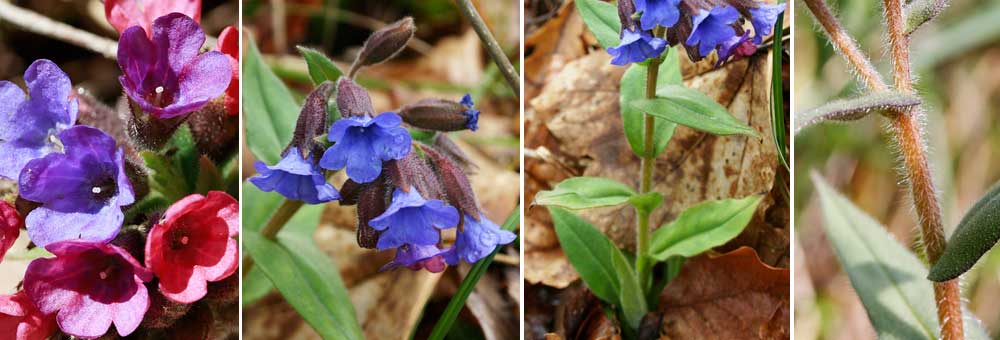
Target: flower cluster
x=700, y=26
x=407, y=191
x=77, y=183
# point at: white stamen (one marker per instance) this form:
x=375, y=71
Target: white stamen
x=104, y=275
x=96, y=190
x=159, y=89
x=184, y=240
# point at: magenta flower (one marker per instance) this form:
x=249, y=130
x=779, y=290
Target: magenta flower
x=21, y=320
x=417, y=257
x=81, y=191
x=89, y=286
x=28, y=125
x=165, y=76
x=10, y=227
x=193, y=244
x=411, y=219
x=738, y=46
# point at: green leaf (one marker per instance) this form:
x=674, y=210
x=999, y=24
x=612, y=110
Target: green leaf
x=602, y=20
x=888, y=277
x=702, y=227
x=587, y=250
x=320, y=67
x=851, y=109
x=633, y=87
x=694, y=109
x=165, y=177
x=148, y=204
x=976, y=234
x=457, y=301
x=269, y=108
x=185, y=155
x=647, y=202
x=258, y=206
x=586, y=192
x=630, y=294
x=777, y=94
x=209, y=177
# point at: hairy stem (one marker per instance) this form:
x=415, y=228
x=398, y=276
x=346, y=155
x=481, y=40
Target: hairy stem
x=909, y=135
x=492, y=47
x=846, y=45
x=273, y=226
x=643, y=264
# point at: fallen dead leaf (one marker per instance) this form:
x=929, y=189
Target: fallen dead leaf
x=730, y=296
x=554, y=44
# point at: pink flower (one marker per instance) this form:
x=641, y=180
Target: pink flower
x=21, y=319
x=229, y=44
x=193, y=244
x=123, y=14
x=10, y=227
x=89, y=285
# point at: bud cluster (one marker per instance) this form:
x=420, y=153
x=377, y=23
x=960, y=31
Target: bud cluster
x=406, y=191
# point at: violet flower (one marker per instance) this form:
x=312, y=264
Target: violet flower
x=471, y=113
x=636, y=47
x=362, y=143
x=28, y=125
x=712, y=28
x=737, y=46
x=295, y=178
x=763, y=19
x=657, y=12
x=476, y=240
x=90, y=286
x=411, y=219
x=165, y=76
x=81, y=191
x=417, y=257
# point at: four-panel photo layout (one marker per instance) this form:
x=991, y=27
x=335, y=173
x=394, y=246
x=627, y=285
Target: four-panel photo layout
x=495, y=170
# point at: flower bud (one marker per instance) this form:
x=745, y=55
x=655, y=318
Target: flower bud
x=214, y=129
x=353, y=100
x=148, y=132
x=441, y=115
x=372, y=201
x=312, y=119
x=448, y=147
x=412, y=171
x=384, y=44
x=458, y=191
x=138, y=177
x=225, y=291
x=350, y=191
x=626, y=13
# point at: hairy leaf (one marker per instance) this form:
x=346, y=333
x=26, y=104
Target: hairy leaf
x=976, y=234
x=630, y=293
x=694, y=109
x=602, y=20
x=853, y=109
x=586, y=192
x=269, y=108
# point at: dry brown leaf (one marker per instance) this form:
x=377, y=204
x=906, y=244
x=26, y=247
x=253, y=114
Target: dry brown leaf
x=730, y=296
x=491, y=309
x=554, y=44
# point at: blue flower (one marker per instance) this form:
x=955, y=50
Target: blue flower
x=763, y=19
x=417, y=257
x=81, y=191
x=477, y=240
x=471, y=113
x=712, y=28
x=362, y=143
x=411, y=219
x=28, y=126
x=295, y=178
x=657, y=12
x=636, y=47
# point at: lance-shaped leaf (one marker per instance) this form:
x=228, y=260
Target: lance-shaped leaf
x=976, y=234
x=633, y=87
x=854, y=108
x=702, y=227
x=587, y=250
x=586, y=192
x=320, y=67
x=268, y=105
x=690, y=107
x=888, y=277
x=630, y=294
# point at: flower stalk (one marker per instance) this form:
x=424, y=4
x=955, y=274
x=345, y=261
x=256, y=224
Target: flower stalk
x=492, y=46
x=643, y=263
